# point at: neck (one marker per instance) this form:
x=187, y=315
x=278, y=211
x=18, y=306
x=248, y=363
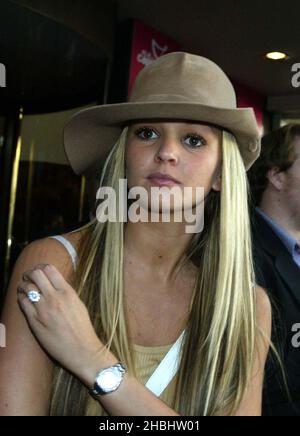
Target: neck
x=156, y=247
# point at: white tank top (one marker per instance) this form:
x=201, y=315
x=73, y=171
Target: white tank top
x=69, y=247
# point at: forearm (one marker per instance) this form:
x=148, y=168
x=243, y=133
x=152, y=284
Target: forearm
x=131, y=398
x=78, y=349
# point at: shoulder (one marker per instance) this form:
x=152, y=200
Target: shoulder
x=263, y=303
x=262, y=295
x=24, y=366
x=263, y=319
x=74, y=237
x=40, y=251
x=251, y=403
x=50, y=250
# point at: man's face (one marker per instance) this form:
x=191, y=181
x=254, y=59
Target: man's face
x=292, y=185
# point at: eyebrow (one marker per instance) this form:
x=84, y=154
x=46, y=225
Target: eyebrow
x=186, y=124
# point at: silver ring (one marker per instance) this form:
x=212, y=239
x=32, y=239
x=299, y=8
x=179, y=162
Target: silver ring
x=34, y=296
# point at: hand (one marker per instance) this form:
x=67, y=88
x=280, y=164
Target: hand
x=59, y=320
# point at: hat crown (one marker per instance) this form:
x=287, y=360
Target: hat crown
x=184, y=77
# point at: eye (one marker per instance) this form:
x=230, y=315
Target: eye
x=145, y=133
x=194, y=140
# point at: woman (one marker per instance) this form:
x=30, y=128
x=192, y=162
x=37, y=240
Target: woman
x=145, y=290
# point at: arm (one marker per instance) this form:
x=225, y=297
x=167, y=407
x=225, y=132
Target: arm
x=83, y=354
x=25, y=369
x=61, y=310
x=132, y=398
x=252, y=402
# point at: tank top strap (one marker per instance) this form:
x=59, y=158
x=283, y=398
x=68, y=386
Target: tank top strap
x=69, y=247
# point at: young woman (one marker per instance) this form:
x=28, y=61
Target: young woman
x=145, y=293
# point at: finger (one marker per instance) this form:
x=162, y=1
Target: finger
x=40, y=279
x=56, y=278
x=37, y=266
x=24, y=288
x=30, y=313
x=27, y=307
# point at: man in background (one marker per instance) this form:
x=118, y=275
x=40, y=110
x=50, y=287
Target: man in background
x=275, y=183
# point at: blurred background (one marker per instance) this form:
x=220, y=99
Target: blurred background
x=61, y=56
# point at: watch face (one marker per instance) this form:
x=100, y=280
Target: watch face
x=108, y=379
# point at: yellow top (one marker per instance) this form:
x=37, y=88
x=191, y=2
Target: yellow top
x=147, y=360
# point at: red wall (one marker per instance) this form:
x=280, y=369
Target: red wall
x=247, y=97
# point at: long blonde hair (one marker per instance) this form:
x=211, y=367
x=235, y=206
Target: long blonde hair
x=219, y=345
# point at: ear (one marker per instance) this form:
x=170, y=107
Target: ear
x=216, y=186
x=276, y=178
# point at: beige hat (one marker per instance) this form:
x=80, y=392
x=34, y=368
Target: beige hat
x=177, y=85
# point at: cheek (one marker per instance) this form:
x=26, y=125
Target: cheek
x=296, y=191
x=137, y=164
x=293, y=188
x=202, y=172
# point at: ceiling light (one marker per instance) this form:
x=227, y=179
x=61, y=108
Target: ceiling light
x=276, y=55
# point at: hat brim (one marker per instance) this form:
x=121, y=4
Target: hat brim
x=91, y=133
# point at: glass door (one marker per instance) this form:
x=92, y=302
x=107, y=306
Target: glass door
x=48, y=198
x=52, y=72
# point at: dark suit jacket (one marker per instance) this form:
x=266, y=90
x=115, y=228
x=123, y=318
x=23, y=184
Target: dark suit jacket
x=277, y=272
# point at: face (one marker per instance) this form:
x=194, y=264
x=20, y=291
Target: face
x=187, y=151
x=291, y=189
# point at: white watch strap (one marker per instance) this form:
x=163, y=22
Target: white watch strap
x=166, y=370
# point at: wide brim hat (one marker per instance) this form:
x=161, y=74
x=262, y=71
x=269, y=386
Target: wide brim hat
x=179, y=86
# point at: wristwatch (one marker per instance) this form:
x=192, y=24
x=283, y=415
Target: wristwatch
x=108, y=379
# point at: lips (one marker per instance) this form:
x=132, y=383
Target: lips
x=163, y=178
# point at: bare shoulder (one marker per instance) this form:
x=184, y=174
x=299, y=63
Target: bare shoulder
x=262, y=295
x=251, y=404
x=56, y=247
x=24, y=366
x=264, y=321
x=263, y=306
x=74, y=237
x=60, y=257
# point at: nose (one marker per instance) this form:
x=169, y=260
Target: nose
x=167, y=151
